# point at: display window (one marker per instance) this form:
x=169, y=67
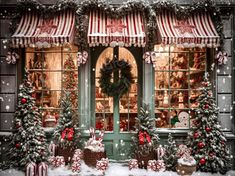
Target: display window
x=178, y=73
x=52, y=71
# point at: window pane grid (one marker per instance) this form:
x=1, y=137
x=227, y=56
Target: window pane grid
x=46, y=68
x=175, y=85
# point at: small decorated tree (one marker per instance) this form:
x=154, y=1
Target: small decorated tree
x=67, y=133
x=70, y=80
x=146, y=139
x=28, y=141
x=206, y=139
x=170, y=157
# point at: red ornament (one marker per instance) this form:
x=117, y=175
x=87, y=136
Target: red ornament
x=18, y=125
x=222, y=142
x=17, y=145
x=201, y=144
x=202, y=161
x=206, y=106
x=208, y=129
x=23, y=100
x=196, y=135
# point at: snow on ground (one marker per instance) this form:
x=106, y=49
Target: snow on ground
x=115, y=169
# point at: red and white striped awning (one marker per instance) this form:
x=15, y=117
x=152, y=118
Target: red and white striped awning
x=126, y=31
x=195, y=31
x=35, y=30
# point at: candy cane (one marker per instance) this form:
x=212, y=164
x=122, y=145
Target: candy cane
x=160, y=152
x=101, y=134
x=52, y=147
x=42, y=169
x=31, y=169
x=92, y=132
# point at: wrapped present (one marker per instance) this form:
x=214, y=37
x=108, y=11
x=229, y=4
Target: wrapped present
x=31, y=169
x=160, y=165
x=60, y=162
x=52, y=161
x=133, y=164
x=79, y=153
x=152, y=165
x=42, y=169
x=76, y=166
x=52, y=148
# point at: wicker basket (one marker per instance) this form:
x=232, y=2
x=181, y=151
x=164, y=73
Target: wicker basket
x=90, y=157
x=185, y=169
x=143, y=159
x=67, y=153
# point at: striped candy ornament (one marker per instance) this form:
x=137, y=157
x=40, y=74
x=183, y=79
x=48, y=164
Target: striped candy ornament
x=42, y=169
x=31, y=169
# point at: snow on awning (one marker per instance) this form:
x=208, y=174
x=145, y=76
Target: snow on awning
x=127, y=30
x=195, y=31
x=35, y=30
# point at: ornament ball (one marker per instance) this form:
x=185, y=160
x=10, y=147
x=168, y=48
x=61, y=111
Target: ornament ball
x=23, y=100
x=208, y=129
x=202, y=161
x=17, y=145
x=201, y=144
x=206, y=106
x=195, y=135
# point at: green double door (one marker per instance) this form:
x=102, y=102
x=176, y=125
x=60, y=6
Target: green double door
x=116, y=115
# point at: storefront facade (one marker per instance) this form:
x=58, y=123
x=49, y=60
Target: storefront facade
x=167, y=77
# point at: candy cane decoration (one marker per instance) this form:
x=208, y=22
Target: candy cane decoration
x=52, y=147
x=92, y=133
x=31, y=169
x=42, y=169
x=133, y=164
x=101, y=134
x=160, y=152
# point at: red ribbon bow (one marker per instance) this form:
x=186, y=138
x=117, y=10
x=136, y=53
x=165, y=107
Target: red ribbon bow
x=143, y=136
x=70, y=132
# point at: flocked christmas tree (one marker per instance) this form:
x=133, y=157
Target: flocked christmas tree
x=67, y=133
x=206, y=139
x=170, y=158
x=28, y=141
x=146, y=139
x=70, y=80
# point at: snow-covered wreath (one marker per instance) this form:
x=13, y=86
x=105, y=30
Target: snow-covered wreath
x=122, y=86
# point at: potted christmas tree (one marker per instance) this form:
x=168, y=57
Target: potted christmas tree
x=67, y=133
x=146, y=140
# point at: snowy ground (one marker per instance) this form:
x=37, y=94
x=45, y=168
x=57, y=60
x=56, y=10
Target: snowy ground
x=115, y=169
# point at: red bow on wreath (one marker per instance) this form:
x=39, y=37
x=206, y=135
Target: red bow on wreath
x=143, y=136
x=70, y=132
